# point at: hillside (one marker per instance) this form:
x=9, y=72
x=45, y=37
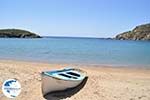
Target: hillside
x=141, y=32
x=17, y=33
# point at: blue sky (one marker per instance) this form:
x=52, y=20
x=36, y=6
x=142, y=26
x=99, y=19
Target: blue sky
x=83, y=18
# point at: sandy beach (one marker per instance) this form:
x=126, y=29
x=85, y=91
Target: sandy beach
x=104, y=83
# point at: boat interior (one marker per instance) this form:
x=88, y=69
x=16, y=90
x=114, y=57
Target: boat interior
x=67, y=74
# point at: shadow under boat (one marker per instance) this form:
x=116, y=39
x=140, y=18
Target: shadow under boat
x=57, y=95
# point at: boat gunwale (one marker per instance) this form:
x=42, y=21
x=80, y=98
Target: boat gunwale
x=83, y=73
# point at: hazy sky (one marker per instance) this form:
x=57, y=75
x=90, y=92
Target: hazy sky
x=90, y=18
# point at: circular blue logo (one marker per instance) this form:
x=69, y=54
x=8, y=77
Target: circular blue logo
x=11, y=88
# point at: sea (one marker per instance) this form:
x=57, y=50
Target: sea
x=69, y=50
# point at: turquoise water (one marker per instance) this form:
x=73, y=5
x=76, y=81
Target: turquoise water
x=77, y=51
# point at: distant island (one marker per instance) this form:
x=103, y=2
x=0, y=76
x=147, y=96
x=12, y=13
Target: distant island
x=141, y=32
x=17, y=33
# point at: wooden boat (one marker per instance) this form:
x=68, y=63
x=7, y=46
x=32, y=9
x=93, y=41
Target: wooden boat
x=60, y=80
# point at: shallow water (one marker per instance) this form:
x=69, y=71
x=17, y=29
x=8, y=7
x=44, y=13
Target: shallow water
x=77, y=51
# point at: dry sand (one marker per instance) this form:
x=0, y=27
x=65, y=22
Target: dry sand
x=104, y=83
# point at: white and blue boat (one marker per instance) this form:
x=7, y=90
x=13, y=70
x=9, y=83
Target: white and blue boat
x=59, y=80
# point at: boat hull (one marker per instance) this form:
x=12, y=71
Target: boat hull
x=52, y=84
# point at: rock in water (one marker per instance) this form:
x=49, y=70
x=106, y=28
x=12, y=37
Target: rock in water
x=141, y=32
x=17, y=33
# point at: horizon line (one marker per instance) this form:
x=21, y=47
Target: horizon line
x=77, y=37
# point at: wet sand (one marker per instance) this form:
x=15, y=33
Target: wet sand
x=104, y=83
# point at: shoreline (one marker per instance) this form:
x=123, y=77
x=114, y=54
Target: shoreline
x=104, y=83
x=126, y=66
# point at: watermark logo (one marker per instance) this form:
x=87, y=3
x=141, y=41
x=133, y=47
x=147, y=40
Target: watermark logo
x=11, y=88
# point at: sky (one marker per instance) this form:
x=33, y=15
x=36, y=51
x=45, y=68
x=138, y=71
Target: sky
x=75, y=18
